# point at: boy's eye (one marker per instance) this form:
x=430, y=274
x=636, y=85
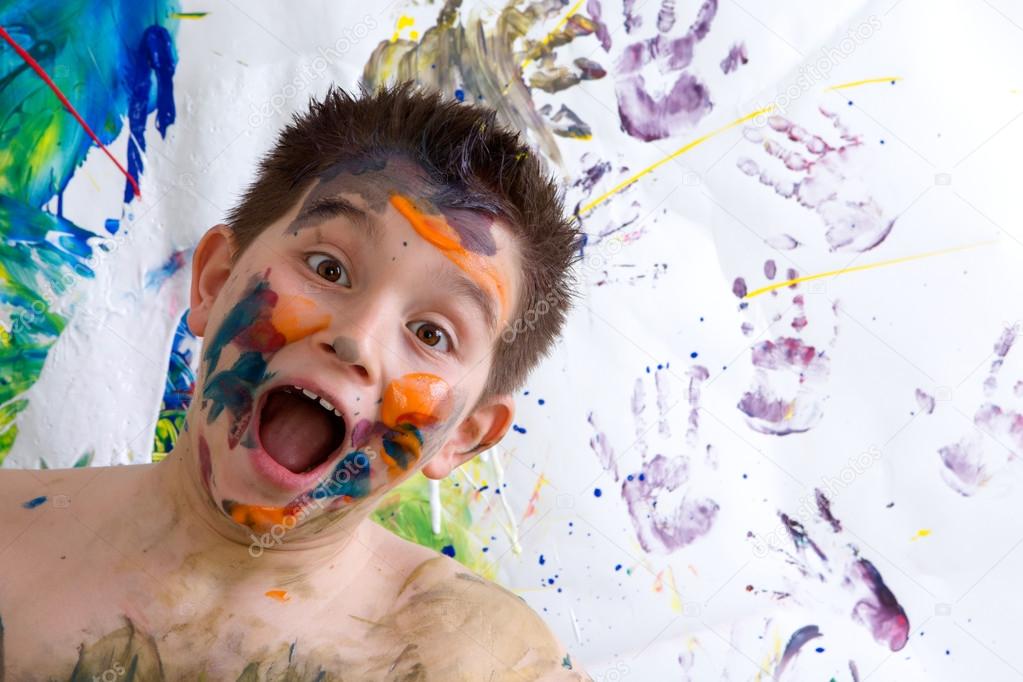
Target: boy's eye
x=431, y=335
x=328, y=267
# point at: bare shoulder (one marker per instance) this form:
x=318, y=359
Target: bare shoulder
x=466, y=627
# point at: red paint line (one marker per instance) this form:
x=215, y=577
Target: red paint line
x=30, y=60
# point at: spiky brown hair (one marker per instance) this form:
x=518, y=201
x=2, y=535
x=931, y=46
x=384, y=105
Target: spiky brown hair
x=477, y=163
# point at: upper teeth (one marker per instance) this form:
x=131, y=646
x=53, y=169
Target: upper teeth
x=323, y=401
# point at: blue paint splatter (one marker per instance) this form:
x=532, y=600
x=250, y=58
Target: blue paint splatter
x=154, y=55
x=155, y=278
x=449, y=550
x=34, y=502
x=618, y=567
x=597, y=492
x=518, y=429
x=542, y=560
x=460, y=95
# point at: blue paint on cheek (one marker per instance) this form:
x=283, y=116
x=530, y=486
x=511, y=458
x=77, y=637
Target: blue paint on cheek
x=232, y=388
x=351, y=477
x=242, y=316
x=448, y=550
x=399, y=451
x=34, y=502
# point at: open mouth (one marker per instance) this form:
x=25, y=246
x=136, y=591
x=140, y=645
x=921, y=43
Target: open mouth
x=299, y=430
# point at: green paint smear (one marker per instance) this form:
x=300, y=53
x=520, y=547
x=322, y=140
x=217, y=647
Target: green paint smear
x=405, y=511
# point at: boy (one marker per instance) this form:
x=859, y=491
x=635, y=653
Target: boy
x=359, y=320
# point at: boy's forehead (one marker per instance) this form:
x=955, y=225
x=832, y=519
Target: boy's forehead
x=374, y=179
x=353, y=187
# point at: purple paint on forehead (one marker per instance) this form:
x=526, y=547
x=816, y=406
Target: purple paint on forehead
x=473, y=228
x=376, y=179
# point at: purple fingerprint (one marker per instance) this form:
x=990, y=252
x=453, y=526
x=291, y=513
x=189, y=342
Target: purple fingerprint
x=735, y=58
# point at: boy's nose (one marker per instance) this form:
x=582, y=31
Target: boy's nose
x=352, y=355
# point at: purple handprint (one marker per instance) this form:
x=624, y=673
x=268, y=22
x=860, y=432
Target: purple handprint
x=825, y=181
x=653, y=117
x=659, y=493
x=971, y=462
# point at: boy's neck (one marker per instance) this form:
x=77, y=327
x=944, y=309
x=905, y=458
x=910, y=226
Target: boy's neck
x=204, y=531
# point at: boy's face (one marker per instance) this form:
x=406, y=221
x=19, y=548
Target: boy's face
x=384, y=307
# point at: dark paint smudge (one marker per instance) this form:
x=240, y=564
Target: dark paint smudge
x=796, y=642
x=735, y=58
x=881, y=611
x=824, y=508
x=34, y=502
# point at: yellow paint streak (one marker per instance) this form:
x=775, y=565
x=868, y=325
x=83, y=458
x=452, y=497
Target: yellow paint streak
x=922, y=533
x=654, y=166
x=564, y=20
x=868, y=266
x=535, y=497
x=676, y=598
x=866, y=81
x=403, y=22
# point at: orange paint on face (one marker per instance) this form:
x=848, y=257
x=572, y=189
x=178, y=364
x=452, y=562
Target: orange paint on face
x=262, y=519
x=296, y=317
x=279, y=595
x=419, y=399
x=436, y=231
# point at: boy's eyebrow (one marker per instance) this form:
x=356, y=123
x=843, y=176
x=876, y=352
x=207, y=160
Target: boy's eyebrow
x=462, y=286
x=325, y=208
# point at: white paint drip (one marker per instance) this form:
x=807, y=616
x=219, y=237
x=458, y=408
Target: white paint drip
x=435, y=506
x=575, y=625
x=513, y=527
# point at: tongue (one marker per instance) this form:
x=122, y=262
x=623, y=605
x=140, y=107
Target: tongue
x=297, y=433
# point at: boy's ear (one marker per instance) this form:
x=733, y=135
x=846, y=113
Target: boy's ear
x=211, y=266
x=484, y=427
